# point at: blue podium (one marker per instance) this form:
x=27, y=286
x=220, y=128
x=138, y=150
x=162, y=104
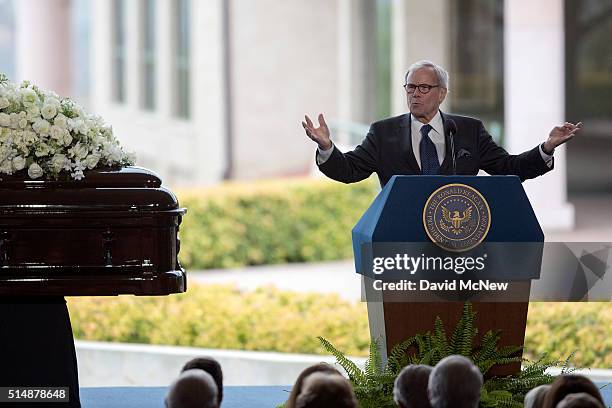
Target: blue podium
x=448, y=219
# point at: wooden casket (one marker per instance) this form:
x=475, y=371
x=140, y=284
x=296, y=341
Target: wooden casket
x=113, y=232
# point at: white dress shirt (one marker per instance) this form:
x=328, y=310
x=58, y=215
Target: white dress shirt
x=437, y=137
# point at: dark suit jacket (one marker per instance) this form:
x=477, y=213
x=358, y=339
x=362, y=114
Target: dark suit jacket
x=387, y=150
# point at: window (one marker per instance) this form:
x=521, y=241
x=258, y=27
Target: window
x=476, y=61
x=588, y=94
x=182, y=60
x=118, y=56
x=147, y=56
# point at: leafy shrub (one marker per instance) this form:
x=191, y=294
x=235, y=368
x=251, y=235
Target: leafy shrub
x=562, y=328
x=221, y=316
x=270, y=222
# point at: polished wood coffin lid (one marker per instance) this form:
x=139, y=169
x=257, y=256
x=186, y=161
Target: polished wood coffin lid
x=113, y=232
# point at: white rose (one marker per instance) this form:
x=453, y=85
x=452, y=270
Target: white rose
x=113, y=153
x=35, y=171
x=33, y=112
x=4, y=102
x=75, y=124
x=60, y=121
x=41, y=126
x=23, y=123
x=79, y=151
x=30, y=137
x=5, y=120
x=48, y=111
x=18, y=137
x=60, y=162
x=42, y=150
x=19, y=163
x=6, y=167
x=92, y=160
x=57, y=132
x=28, y=96
x=14, y=120
x=67, y=139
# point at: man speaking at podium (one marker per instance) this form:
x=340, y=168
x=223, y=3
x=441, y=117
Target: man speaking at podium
x=427, y=141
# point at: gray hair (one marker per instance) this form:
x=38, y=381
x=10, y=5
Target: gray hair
x=580, y=400
x=326, y=390
x=535, y=397
x=441, y=73
x=410, y=387
x=193, y=388
x=455, y=382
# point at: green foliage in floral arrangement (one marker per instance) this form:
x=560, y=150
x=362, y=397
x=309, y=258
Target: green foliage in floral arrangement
x=373, y=385
x=270, y=222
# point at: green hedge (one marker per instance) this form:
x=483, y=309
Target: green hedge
x=267, y=319
x=220, y=316
x=270, y=222
x=561, y=328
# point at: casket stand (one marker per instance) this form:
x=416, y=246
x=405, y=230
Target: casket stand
x=113, y=232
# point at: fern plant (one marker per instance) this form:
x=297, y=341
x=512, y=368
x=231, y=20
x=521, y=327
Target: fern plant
x=373, y=385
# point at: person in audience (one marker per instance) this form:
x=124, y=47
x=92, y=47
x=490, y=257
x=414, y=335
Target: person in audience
x=212, y=367
x=410, y=388
x=326, y=390
x=579, y=400
x=535, y=397
x=570, y=384
x=454, y=382
x=192, y=389
x=297, y=387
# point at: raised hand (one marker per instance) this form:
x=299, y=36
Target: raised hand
x=561, y=134
x=319, y=134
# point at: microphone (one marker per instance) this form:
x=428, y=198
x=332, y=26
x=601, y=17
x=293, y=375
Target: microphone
x=451, y=128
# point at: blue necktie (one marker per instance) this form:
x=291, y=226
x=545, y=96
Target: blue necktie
x=427, y=150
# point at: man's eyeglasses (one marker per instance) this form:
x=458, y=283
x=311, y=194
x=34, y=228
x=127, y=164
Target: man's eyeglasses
x=423, y=88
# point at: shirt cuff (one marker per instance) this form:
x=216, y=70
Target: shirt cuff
x=548, y=158
x=323, y=155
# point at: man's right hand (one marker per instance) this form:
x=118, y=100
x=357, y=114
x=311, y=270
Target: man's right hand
x=320, y=135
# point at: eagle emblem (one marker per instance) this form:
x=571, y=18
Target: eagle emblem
x=455, y=219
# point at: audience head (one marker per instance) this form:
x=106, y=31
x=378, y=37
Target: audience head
x=297, y=387
x=579, y=400
x=570, y=384
x=212, y=367
x=454, y=382
x=410, y=388
x=535, y=397
x=192, y=389
x=326, y=390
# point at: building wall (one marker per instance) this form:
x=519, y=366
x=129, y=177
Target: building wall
x=182, y=151
x=284, y=64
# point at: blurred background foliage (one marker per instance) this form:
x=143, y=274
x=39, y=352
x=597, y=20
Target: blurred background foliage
x=268, y=319
x=270, y=222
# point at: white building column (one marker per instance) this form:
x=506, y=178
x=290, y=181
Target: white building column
x=411, y=20
x=43, y=44
x=534, y=97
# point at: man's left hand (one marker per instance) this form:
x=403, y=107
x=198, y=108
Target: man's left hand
x=560, y=135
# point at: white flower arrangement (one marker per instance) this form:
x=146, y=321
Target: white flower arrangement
x=49, y=135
